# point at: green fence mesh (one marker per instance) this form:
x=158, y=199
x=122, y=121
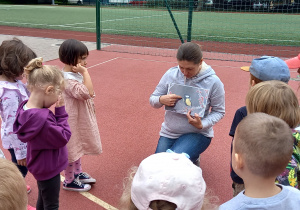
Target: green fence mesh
x=228, y=30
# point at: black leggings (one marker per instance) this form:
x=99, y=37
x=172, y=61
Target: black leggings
x=48, y=198
x=22, y=169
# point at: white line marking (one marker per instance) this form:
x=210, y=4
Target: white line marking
x=103, y=62
x=93, y=198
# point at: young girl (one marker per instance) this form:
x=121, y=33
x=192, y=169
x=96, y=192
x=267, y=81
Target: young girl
x=278, y=99
x=79, y=94
x=46, y=133
x=166, y=181
x=14, y=56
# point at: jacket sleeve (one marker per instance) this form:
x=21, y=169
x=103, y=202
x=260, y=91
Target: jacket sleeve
x=161, y=89
x=77, y=90
x=58, y=132
x=9, y=105
x=217, y=103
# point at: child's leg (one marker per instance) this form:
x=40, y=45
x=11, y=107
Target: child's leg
x=22, y=169
x=69, y=173
x=77, y=166
x=49, y=193
x=82, y=176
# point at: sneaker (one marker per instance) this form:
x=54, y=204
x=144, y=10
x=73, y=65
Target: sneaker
x=85, y=178
x=76, y=185
x=30, y=207
x=28, y=189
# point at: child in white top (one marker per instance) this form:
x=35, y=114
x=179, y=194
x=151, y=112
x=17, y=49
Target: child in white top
x=14, y=56
x=78, y=95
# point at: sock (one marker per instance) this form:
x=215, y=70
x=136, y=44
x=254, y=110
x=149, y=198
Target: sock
x=77, y=166
x=69, y=173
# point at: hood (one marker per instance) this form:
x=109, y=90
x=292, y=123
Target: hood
x=29, y=123
x=205, y=71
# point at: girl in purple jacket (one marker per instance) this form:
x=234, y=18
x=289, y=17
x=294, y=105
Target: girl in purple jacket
x=45, y=133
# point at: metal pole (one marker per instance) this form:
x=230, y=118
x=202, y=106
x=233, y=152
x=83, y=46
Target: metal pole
x=190, y=19
x=98, y=22
x=174, y=22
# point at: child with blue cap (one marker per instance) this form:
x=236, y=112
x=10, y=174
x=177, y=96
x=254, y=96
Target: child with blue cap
x=262, y=69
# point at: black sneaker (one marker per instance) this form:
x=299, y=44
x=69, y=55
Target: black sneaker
x=76, y=185
x=85, y=178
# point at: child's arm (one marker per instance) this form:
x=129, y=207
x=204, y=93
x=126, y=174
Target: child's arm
x=87, y=81
x=9, y=106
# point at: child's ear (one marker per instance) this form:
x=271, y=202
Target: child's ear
x=252, y=83
x=49, y=90
x=239, y=162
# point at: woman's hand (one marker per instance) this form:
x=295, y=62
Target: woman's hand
x=22, y=162
x=169, y=100
x=195, y=121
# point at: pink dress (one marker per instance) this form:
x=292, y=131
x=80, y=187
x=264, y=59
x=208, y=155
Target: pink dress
x=85, y=139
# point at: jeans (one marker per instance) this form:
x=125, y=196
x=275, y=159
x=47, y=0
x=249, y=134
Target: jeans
x=191, y=143
x=22, y=169
x=48, y=198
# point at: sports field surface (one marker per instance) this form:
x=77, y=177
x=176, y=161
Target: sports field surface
x=258, y=28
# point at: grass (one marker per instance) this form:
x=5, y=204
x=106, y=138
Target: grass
x=258, y=28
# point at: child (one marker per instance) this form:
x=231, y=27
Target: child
x=79, y=94
x=13, y=195
x=46, y=133
x=278, y=99
x=262, y=69
x=168, y=180
x=262, y=147
x=14, y=56
x=184, y=133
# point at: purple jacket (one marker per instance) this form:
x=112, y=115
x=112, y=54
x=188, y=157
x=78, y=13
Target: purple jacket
x=46, y=136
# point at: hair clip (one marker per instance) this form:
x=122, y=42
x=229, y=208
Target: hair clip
x=171, y=151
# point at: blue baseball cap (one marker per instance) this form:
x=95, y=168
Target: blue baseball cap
x=268, y=68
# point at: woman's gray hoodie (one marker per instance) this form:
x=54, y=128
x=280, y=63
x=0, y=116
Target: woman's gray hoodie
x=176, y=124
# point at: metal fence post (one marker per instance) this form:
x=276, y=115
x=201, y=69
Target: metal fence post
x=98, y=22
x=190, y=19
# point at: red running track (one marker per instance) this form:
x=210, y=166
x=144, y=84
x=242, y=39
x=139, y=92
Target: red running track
x=129, y=126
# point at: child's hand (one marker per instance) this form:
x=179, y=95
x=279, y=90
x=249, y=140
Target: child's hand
x=79, y=68
x=60, y=102
x=22, y=162
x=195, y=121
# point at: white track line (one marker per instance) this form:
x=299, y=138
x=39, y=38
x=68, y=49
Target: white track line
x=93, y=198
x=104, y=62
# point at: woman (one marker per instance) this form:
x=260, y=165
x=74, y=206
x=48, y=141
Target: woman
x=186, y=133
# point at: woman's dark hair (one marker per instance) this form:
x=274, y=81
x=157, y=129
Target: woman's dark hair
x=189, y=51
x=14, y=56
x=71, y=50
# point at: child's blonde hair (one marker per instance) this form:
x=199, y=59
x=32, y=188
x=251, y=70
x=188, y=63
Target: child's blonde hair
x=13, y=193
x=40, y=76
x=265, y=142
x=209, y=202
x=274, y=98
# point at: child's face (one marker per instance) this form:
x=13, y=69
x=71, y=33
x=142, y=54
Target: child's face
x=82, y=61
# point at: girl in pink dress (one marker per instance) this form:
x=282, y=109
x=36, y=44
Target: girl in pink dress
x=78, y=95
